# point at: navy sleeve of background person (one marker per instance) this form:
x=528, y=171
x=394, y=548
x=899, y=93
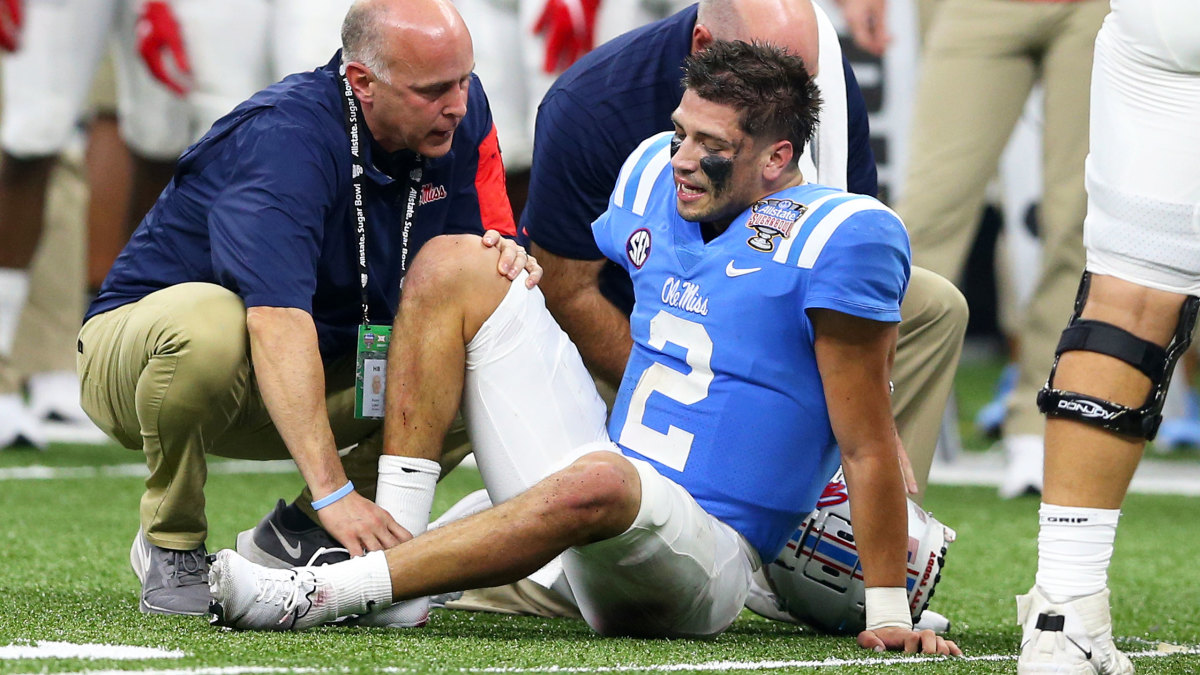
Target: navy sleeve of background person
x=861, y=175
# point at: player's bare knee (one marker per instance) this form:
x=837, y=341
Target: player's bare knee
x=454, y=266
x=602, y=491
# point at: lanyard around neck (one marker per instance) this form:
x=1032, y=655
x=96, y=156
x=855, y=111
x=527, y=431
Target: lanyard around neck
x=358, y=169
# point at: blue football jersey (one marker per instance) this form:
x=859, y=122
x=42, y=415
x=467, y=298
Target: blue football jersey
x=721, y=393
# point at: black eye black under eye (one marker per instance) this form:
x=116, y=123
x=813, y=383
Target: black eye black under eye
x=675, y=143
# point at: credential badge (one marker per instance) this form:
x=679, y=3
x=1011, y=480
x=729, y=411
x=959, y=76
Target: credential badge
x=772, y=218
x=638, y=247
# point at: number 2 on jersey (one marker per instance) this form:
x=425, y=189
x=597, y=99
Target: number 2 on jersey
x=672, y=448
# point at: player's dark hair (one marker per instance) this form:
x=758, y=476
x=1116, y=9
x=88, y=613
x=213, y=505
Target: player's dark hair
x=770, y=86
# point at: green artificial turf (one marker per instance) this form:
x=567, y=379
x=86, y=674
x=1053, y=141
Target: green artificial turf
x=64, y=576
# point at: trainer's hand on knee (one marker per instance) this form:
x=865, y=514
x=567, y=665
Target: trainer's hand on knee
x=911, y=641
x=361, y=526
x=513, y=258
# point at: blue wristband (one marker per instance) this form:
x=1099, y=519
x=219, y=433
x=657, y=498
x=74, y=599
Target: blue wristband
x=333, y=496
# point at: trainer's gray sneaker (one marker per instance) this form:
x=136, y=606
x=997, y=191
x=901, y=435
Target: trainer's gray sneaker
x=173, y=582
x=273, y=543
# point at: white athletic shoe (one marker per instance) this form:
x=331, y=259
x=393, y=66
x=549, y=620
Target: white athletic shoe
x=1023, y=471
x=931, y=620
x=55, y=396
x=252, y=597
x=18, y=426
x=1073, y=637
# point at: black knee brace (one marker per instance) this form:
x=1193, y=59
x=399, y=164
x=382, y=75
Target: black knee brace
x=1152, y=360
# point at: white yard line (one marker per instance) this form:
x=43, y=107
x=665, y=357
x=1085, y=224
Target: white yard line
x=720, y=666
x=44, y=649
x=138, y=470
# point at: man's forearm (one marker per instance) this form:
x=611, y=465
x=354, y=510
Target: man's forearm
x=596, y=326
x=879, y=513
x=287, y=366
x=601, y=332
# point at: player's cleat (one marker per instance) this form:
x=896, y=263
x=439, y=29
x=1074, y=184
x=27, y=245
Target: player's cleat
x=18, y=425
x=1023, y=471
x=252, y=597
x=286, y=537
x=173, y=582
x=1071, y=637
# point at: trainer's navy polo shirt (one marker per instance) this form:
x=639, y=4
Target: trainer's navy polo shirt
x=599, y=110
x=261, y=205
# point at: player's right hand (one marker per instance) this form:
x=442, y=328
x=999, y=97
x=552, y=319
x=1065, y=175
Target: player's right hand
x=361, y=526
x=910, y=641
x=10, y=25
x=160, y=43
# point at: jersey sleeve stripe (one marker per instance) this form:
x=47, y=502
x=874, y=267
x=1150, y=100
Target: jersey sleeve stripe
x=494, y=208
x=820, y=235
x=785, y=247
x=650, y=176
x=624, y=193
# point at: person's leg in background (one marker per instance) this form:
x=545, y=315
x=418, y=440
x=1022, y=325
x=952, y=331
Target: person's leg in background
x=1066, y=68
x=66, y=39
x=227, y=44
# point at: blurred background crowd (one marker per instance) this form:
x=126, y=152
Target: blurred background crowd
x=977, y=109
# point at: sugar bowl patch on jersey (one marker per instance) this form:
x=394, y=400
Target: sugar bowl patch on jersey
x=637, y=247
x=771, y=218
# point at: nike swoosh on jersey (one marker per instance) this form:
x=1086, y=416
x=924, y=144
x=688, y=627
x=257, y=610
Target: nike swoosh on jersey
x=292, y=549
x=737, y=272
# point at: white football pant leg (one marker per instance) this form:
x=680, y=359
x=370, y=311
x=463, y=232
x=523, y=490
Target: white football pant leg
x=46, y=82
x=528, y=400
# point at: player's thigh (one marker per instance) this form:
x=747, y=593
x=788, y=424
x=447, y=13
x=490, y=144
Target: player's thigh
x=1143, y=199
x=528, y=400
x=676, y=572
x=46, y=81
x=154, y=122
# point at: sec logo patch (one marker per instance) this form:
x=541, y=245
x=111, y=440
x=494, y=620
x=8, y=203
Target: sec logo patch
x=638, y=247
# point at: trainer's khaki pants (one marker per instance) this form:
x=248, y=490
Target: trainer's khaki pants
x=981, y=59
x=170, y=375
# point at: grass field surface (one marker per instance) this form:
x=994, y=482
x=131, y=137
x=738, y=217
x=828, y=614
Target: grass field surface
x=65, y=581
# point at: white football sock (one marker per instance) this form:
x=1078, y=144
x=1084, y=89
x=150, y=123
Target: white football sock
x=359, y=584
x=14, y=289
x=1075, y=546
x=405, y=491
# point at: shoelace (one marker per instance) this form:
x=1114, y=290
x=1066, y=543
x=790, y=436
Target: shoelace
x=287, y=592
x=189, y=567
x=322, y=551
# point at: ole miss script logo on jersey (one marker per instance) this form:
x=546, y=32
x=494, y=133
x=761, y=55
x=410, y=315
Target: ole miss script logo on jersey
x=772, y=218
x=432, y=193
x=638, y=247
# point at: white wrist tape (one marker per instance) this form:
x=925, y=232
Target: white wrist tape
x=887, y=607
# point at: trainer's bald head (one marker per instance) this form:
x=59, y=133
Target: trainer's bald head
x=791, y=24
x=402, y=34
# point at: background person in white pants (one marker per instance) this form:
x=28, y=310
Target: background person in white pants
x=68, y=39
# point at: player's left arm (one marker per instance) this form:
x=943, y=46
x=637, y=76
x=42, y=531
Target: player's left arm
x=854, y=356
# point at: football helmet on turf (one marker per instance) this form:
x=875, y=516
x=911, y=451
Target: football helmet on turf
x=817, y=579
